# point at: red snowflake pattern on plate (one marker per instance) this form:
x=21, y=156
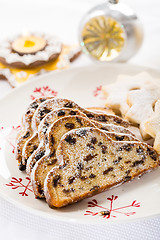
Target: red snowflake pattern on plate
x=98, y=92
x=43, y=91
x=111, y=211
x=8, y=137
x=17, y=183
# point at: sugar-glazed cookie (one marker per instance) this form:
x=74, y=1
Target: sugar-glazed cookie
x=152, y=126
x=116, y=93
x=30, y=50
x=5, y=74
x=141, y=104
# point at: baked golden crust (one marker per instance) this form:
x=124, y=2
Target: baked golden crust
x=106, y=110
x=84, y=172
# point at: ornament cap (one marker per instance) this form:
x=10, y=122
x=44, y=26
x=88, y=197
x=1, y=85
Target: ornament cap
x=113, y=1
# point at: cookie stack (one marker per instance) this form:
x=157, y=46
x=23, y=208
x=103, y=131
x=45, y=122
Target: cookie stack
x=136, y=100
x=71, y=153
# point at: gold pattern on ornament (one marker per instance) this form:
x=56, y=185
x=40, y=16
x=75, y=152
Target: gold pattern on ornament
x=103, y=37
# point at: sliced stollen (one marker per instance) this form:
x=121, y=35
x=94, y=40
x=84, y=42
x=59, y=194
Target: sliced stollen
x=32, y=145
x=32, y=121
x=32, y=156
x=26, y=129
x=84, y=172
x=49, y=106
x=41, y=166
x=55, y=103
x=41, y=111
x=118, y=133
x=48, y=161
x=52, y=104
x=48, y=120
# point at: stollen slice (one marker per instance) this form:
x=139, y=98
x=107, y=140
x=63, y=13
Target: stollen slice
x=48, y=161
x=26, y=129
x=55, y=103
x=32, y=145
x=52, y=104
x=84, y=172
x=32, y=157
x=41, y=166
x=117, y=133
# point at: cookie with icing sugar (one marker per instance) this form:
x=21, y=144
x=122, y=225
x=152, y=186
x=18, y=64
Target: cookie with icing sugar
x=116, y=93
x=31, y=50
x=5, y=74
x=141, y=103
x=152, y=126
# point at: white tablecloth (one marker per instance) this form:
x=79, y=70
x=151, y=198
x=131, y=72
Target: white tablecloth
x=63, y=17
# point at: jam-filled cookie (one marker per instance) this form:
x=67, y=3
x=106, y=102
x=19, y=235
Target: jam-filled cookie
x=29, y=51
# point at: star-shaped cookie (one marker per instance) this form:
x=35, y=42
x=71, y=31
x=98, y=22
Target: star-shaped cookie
x=116, y=93
x=141, y=103
x=152, y=126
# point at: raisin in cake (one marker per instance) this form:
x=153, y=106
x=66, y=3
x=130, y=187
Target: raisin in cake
x=85, y=171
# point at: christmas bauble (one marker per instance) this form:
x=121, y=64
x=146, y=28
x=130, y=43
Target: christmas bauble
x=111, y=32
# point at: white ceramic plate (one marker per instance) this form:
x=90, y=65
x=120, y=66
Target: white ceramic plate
x=130, y=201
